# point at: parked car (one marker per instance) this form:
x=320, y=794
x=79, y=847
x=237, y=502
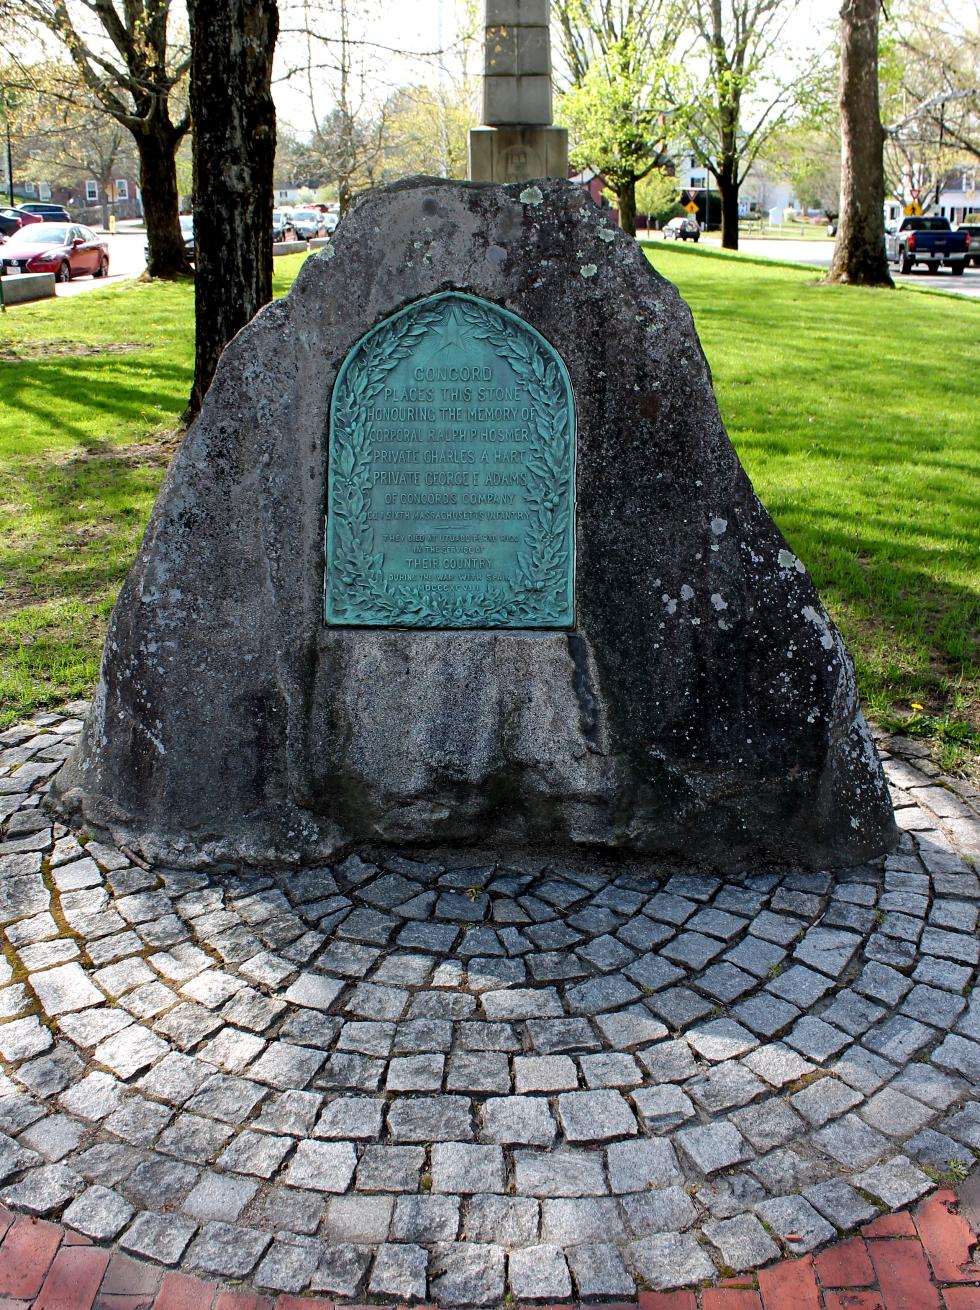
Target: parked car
x=973, y=232
x=684, y=228
x=307, y=223
x=13, y=219
x=330, y=221
x=46, y=212
x=186, y=222
x=64, y=249
x=282, y=225
x=926, y=240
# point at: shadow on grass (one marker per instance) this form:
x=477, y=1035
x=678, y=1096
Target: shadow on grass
x=79, y=524
x=854, y=413
x=59, y=397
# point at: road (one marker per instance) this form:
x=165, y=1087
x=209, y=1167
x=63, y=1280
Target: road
x=126, y=261
x=819, y=253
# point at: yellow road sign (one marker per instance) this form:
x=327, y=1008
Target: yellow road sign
x=691, y=207
x=913, y=210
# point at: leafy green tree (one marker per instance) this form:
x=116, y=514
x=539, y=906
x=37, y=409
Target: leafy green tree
x=616, y=120
x=133, y=60
x=617, y=56
x=727, y=113
x=657, y=197
x=60, y=134
x=427, y=130
x=292, y=156
x=807, y=156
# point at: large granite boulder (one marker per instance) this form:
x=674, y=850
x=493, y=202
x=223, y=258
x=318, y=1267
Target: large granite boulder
x=702, y=708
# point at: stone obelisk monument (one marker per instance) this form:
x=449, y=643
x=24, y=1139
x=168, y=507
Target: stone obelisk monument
x=517, y=140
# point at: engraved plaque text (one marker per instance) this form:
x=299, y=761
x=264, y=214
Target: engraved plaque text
x=451, y=474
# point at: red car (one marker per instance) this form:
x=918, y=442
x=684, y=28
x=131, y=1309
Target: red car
x=64, y=249
x=12, y=219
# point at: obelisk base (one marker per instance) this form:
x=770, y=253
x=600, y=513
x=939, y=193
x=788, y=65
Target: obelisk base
x=517, y=154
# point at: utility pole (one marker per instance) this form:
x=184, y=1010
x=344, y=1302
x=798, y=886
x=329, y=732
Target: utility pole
x=8, y=101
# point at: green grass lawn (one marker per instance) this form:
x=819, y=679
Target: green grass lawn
x=785, y=232
x=868, y=463
x=869, y=466
x=91, y=390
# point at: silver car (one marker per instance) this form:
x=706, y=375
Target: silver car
x=683, y=229
x=307, y=223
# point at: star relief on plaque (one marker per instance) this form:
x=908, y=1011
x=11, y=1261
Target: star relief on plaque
x=450, y=498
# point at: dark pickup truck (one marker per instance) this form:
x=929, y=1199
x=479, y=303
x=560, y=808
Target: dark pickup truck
x=929, y=241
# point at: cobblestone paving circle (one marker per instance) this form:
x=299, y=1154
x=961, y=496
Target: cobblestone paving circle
x=402, y=1080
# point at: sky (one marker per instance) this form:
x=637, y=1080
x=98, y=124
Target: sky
x=402, y=41
x=415, y=27
x=401, y=37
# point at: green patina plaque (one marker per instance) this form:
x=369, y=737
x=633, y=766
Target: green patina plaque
x=450, y=498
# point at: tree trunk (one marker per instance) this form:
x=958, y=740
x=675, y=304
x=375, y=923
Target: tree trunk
x=234, y=120
x=626, y=195
x=859, y=254
x=157, y=146
x=728, y=192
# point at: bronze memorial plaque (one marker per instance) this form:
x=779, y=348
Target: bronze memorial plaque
x=451, y=482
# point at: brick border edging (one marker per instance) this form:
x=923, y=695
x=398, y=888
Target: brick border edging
x=910, y=1260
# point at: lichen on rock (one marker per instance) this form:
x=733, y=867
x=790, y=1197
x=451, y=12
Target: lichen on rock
x=231, y=724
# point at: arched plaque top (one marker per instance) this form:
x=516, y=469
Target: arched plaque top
x=450, y=491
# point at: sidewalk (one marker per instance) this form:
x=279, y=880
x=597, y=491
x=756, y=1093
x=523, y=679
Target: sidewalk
x=480, y=1081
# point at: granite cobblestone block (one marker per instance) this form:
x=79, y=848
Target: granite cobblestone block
x=665, y=1210
x=306, y=1076
x=535, y=1272
x=468, y=1274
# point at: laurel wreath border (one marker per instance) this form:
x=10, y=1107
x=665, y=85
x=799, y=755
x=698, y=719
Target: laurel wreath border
x=539, y=593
